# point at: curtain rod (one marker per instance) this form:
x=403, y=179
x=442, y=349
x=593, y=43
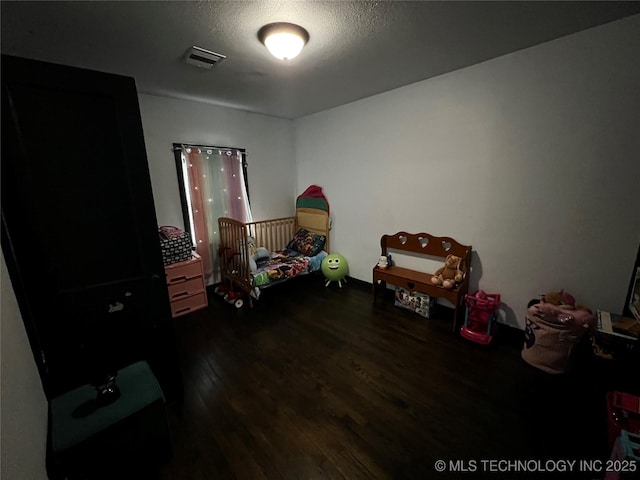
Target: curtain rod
x=179, y=146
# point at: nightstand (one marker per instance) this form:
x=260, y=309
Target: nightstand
x=187, y=292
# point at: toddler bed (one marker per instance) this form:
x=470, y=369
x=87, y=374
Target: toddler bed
x=256, y=255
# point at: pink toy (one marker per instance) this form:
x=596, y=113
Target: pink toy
x=480, y=317
x=234, y=297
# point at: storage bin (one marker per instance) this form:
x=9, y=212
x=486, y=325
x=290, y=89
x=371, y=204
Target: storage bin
x=176, y=248
x=421, y=303
x=552, y=333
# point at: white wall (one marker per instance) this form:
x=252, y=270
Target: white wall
x=532, y=158
x=24, y=405
x=268, y=141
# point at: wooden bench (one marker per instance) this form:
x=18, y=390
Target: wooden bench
x=416, y=281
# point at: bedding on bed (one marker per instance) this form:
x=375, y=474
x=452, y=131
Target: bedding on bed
x=285, y=264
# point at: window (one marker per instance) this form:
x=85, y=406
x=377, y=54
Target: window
x=213, y=184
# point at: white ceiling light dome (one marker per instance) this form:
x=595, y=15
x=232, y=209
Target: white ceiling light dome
x=284, y=40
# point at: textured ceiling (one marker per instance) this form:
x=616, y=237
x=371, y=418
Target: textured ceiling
x=356, y=49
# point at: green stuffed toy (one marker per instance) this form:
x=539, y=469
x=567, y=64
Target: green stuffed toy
x=335, y=268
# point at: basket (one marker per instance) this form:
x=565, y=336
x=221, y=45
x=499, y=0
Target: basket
x=421, y=303
x=175, y=247
x=551, y=335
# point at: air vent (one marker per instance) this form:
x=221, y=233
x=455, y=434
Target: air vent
x=202, y=58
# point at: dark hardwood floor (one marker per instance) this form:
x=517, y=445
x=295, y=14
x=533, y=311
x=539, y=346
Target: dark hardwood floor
x=320, y=383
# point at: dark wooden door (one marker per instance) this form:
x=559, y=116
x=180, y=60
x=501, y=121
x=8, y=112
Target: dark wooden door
x=79, y=226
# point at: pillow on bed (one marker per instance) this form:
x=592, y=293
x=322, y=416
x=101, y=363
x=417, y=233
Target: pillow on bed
x=307, y=243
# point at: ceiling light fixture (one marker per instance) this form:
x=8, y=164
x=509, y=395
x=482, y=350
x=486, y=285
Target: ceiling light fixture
x=283, y=40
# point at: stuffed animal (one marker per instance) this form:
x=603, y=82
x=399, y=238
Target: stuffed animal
x=562, y=299
x=256, y=254
x=449, y=275
x=560, y=315
x=335, y=268
x=383, y=262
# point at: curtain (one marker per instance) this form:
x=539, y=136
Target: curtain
x=214, y=187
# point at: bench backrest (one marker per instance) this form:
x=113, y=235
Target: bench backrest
x=427, y=244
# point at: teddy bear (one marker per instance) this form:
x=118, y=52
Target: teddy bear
x=561, y=299
x=449, y=275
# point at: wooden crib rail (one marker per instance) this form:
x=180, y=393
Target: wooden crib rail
x=234, y=251
x=273, y=234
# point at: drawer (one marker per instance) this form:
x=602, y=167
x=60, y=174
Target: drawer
x=188, y=304
x=186, y=288
x=179, y=272
x=413, y=286
x=403, y=277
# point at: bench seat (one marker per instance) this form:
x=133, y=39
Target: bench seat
x=418, y=281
